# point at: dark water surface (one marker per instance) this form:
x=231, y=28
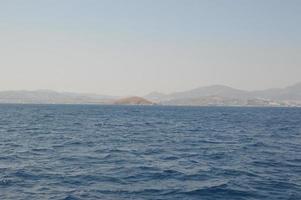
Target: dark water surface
x=131, y=152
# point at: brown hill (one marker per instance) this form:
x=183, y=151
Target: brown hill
x=133, y=101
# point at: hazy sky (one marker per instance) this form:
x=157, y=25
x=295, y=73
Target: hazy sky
x=137, y=46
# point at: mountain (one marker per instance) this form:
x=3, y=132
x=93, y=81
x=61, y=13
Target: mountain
x=218, y=95
x=214, y=90
x=133, y=101
x=224, y=95
x=292, y=93
x=52, y=97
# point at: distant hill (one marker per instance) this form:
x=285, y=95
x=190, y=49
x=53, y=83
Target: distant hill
x=224, y=95
x=51, y=97
x=133, y=101
x=214, y=90
x=292, y=93
x=215, y=95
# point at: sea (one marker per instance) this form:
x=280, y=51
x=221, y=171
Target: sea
x=73, y=152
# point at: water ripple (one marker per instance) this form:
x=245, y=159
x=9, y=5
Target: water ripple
x=71, y=152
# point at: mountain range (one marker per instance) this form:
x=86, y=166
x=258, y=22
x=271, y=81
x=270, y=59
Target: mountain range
x=227, y=96
x=215, y=95
x=52, y=97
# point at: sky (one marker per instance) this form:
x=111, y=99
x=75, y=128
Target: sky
x=134, y=47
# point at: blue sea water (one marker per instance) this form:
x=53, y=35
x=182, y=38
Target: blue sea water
x=72, y=152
